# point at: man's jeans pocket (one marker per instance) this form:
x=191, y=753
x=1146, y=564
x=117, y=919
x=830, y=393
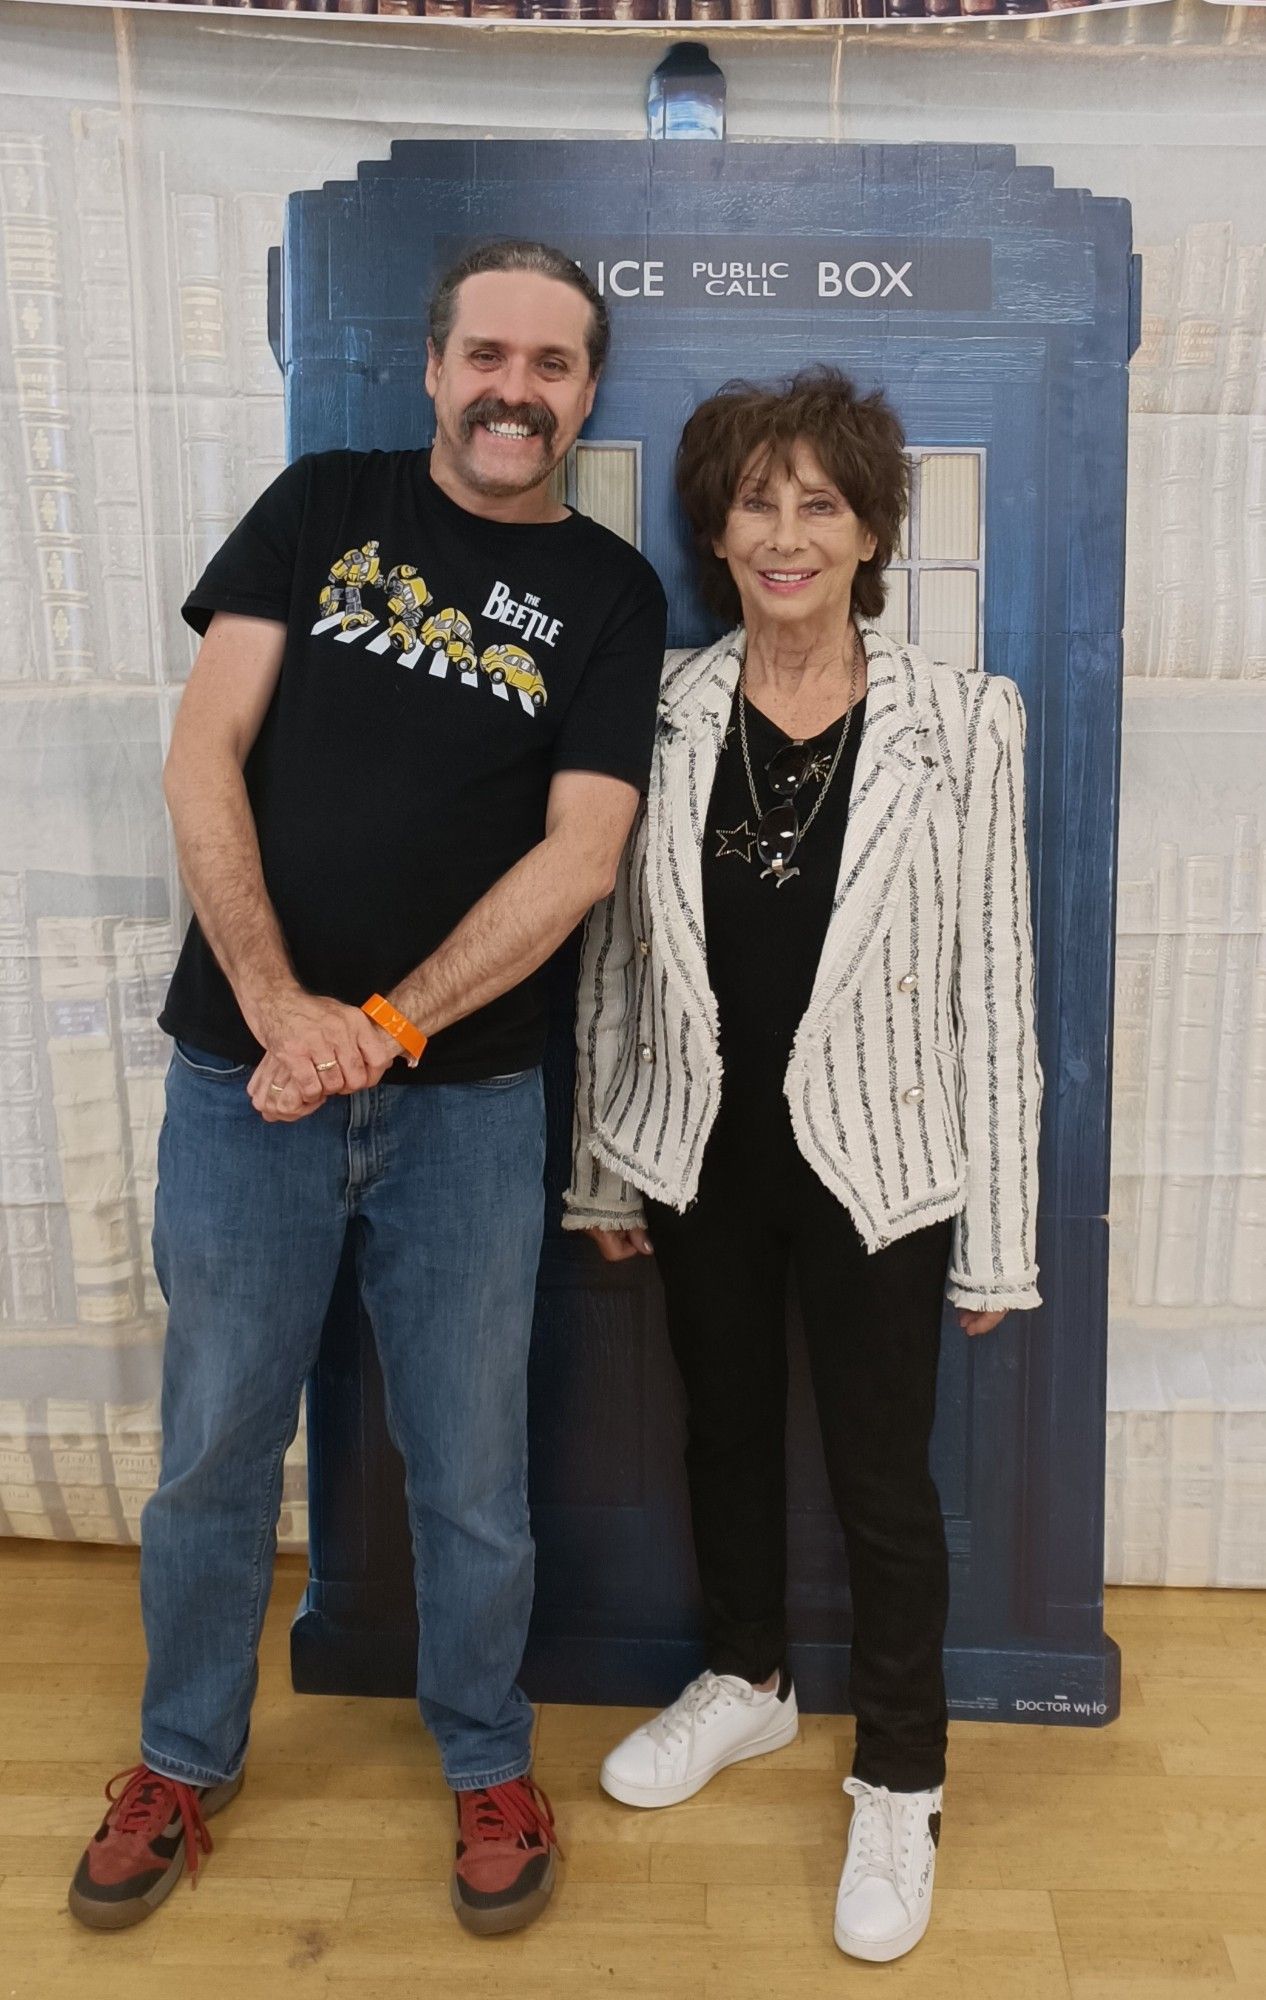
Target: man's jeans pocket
x=202, y=1062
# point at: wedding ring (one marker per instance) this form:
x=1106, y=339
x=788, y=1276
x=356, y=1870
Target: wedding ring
x=276, y=1088
x=332, y=1064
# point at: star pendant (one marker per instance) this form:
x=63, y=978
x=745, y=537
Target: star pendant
x=738, y=840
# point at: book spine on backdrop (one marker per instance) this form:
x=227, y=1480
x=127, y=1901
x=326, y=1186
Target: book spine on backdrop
x=1199, y=346
x=1180, y=539
x=17, y=655
x=143, y=955
x=1248, y=1253
x=1244, y=336
x=1235, y=1017
x=105, y=301
x=1224, y=531
x=1151, y=379
x=27, y=1289
x=78, y=1457
x=203, y=367
x=1136, y=965
x=1167, y=912
x=1192, y=1056
x=258, y=221
x=1140, y=593
x=83, y=1063
x=134, y=1442
x=34, y=281
x=1254, y=626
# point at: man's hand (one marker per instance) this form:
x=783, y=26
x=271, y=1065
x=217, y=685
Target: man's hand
x=618, y=1244
x=317, y=1048
x=974, y=1322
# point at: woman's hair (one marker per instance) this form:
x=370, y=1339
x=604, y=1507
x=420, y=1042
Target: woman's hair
x=858, y=440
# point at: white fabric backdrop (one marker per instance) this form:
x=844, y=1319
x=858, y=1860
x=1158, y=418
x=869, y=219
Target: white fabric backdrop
x=144, y=159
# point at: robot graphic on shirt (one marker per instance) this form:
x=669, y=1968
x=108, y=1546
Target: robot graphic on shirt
x=407, y=599
x=450, y=633
x=341, y=596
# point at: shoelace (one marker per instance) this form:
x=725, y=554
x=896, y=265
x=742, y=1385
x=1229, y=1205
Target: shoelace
x=678, y=1720
x=519, y=1808
x=879, y=1820
x=144, y=1806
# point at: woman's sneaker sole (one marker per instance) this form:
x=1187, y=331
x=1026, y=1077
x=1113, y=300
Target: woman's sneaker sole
x=889, y=1948
x=649, y=1796
x=99, y=1916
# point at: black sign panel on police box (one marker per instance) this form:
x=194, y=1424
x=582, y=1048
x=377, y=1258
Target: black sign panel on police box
x=833, y=273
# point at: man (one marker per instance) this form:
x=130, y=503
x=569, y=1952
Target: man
x=405, y=765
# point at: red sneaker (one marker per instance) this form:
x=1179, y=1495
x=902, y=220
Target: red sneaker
x=154, y=1828
x=503, y=1875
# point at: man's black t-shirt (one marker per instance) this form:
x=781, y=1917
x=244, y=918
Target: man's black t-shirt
x=439, y=668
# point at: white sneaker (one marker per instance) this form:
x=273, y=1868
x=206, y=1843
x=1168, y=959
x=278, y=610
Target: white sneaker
x=718, y=1720
x=885, y=1896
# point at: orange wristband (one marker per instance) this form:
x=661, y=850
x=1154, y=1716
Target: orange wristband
x=411, y=1039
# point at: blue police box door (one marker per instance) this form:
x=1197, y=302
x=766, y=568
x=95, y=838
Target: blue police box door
x=998, y=312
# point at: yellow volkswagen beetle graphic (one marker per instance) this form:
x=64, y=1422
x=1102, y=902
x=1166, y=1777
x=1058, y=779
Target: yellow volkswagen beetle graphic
x=348, y=576
x=511, y=666
x=450, y=633
x=407, y=599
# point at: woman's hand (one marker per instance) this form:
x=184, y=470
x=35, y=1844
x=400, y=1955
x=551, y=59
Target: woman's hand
x=617, y=1244
x=974, y=1322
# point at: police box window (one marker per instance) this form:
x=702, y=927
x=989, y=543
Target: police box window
x=936, y=581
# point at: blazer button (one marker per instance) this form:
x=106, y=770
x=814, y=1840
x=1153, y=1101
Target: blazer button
x=647, y=1054
x=914, y=1095
x=908, y=983
x=644, y=946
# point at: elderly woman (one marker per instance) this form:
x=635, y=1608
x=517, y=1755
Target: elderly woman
x=806, y=1043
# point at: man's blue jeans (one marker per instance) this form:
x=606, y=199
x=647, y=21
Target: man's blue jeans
x=444, y=1186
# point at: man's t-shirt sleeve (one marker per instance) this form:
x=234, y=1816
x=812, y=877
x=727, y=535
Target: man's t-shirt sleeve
x=253, y=572
x=610, y=721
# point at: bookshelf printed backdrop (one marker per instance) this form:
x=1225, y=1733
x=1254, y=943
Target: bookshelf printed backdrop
x=140, y=413
x=746, y=13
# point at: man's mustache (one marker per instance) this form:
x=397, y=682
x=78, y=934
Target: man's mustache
x=491, y=410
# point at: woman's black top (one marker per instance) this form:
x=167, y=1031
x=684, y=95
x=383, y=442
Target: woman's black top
x=764, y=940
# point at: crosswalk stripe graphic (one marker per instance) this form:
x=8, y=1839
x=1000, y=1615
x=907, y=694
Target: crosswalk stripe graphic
x=439, y=666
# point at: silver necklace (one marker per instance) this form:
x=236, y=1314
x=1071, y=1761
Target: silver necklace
x=820, y=801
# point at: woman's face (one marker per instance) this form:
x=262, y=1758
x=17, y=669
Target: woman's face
x=792, y=542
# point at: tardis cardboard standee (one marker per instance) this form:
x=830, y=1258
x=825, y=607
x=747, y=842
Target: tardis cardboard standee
x=998, y=311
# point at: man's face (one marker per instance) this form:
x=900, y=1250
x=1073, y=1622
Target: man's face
x=512, y=388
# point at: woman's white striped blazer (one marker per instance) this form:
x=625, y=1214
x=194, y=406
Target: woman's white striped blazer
x=913, y=1083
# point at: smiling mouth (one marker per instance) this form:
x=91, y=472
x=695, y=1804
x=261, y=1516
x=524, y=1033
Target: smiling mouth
x=786, y=579
x=513, y=433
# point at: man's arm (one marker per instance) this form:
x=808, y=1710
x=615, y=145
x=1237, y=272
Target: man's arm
x=525, y=916
x=233, y=681
x=510, y=931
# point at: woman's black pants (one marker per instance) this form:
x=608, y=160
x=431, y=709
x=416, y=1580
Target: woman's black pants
x=872, y=1324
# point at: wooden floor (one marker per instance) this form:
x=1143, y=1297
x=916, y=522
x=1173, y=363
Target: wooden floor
x=1097, y=1864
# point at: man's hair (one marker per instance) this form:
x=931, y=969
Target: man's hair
x=858, y=440
x=516, y=255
